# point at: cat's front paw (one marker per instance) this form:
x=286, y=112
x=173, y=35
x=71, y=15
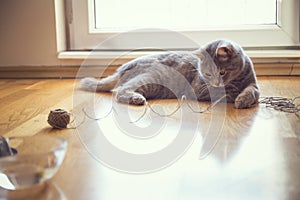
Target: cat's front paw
x=137, y=99
x=245, y=100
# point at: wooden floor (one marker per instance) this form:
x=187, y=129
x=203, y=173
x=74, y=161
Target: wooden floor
x=256, y=156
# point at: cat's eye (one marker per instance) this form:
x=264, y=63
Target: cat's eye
x=207, y=74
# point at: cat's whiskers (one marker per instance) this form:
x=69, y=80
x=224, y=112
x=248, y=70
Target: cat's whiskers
x=203, y=89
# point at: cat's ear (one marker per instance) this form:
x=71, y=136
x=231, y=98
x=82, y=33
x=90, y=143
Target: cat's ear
x=199, y=54
x=224, y=52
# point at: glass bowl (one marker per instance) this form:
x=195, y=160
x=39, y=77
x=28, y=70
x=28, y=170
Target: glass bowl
x=35, y=160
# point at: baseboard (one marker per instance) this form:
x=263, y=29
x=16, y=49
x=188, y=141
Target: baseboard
x=54, y=71
x=261, y=68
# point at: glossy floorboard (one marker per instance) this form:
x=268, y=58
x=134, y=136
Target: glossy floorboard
x=223, y=153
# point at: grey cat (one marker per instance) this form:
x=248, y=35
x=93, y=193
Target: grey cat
x=200, y=75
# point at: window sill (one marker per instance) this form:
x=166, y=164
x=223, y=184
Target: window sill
x=119, y=57
x=134, y=54
x=266, y=62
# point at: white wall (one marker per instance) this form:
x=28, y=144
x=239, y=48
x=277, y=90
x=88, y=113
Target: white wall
x=27, y=33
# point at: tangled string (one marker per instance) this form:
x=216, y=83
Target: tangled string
x=283, y=104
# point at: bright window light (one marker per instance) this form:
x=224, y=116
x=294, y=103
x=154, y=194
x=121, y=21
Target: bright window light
x=182, y=15
x=251, y=23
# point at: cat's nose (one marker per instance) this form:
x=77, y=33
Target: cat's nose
x=218, y=82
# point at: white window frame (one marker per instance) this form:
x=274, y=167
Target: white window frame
x=285, y=33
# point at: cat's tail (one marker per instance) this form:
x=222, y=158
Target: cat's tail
x=103, y=85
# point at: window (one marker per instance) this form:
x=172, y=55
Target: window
x=180, y=15
x=252, y=23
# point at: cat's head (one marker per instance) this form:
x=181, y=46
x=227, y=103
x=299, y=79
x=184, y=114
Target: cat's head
x=221, y=62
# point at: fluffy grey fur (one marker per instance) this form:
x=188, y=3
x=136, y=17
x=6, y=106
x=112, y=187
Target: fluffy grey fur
x=216, y=66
